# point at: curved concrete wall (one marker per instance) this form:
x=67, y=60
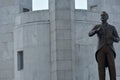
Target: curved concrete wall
x=32, y=36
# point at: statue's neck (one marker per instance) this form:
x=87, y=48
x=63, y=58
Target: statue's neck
x=104, y=23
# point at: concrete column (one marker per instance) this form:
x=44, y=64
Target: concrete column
x=61, y=22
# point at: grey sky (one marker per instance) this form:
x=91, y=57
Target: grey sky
x=43, y=4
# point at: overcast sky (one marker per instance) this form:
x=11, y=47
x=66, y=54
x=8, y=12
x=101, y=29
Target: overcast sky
x=43, y=4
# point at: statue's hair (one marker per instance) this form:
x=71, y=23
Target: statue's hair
x=105, y=13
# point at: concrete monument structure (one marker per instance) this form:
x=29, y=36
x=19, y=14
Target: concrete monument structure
x=52, y=44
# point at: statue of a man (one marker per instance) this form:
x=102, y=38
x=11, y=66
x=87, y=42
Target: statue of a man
x=105, y=53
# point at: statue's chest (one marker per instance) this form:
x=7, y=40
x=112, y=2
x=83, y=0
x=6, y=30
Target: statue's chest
x=105, y=31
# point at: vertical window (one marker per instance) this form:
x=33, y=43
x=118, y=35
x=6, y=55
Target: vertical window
x=39, y=4
x=80, y=4
x=20, y=60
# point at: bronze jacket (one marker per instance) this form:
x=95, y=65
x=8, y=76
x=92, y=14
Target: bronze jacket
x=107, y=34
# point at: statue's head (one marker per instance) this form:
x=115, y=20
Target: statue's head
x=104, y=16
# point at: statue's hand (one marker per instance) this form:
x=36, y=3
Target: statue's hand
x=94, y=30
x=116, y=39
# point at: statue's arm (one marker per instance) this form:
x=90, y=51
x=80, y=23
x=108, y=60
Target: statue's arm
x=116, y=37
x=93, y=31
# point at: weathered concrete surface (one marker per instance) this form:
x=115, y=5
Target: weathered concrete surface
x=8, y=11
x=61, y=20
x=7, y=24
x=33, y=39
x=56, y=45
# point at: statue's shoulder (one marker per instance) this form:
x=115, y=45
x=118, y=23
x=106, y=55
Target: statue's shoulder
x=111, y=26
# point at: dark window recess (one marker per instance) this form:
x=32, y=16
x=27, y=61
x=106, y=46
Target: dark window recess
x=20, y=62
x=25, y=10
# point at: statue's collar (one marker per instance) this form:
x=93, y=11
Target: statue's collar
x=105, y=24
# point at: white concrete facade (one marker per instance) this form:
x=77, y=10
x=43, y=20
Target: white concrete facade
x=54, y=42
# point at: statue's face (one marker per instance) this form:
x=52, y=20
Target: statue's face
x=104, y=17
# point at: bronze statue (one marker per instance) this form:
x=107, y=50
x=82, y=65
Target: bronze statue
x=105, y=53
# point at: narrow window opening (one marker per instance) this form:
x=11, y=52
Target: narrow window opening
x=81, y=4
x=20, y=60
x=26, y=10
